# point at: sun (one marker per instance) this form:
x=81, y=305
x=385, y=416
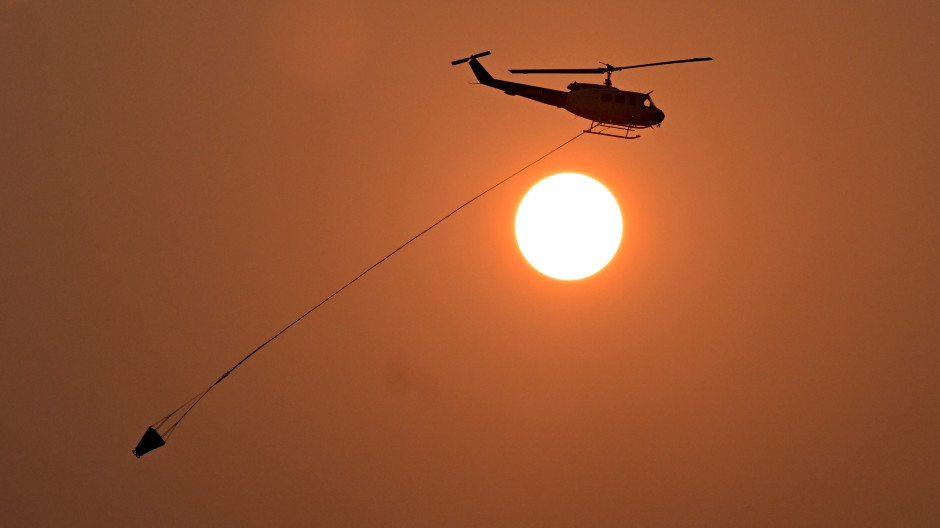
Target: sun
x=568, y=226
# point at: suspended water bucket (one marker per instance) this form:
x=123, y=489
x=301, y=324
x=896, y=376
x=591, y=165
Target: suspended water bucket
x=150, y=441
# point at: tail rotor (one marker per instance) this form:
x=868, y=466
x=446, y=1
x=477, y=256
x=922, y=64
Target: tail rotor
x=471, y=57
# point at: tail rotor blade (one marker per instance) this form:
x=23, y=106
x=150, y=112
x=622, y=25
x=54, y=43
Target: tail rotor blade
x=471, y=57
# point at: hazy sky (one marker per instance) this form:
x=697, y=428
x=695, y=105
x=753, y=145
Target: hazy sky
x=182, y=179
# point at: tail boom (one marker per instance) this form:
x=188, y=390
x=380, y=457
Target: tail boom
x=536, y=93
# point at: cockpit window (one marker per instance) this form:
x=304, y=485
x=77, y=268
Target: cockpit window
x=647, y=102
x=606, y=98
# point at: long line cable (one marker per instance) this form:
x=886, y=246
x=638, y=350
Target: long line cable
x=197, y=398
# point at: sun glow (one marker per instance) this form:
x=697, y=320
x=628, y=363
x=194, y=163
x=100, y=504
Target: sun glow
x=568, y=226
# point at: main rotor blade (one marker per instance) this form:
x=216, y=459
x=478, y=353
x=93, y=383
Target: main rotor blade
x=562, y=70
x=607, y=68
x=660, y=63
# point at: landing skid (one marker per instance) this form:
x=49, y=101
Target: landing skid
x=605, y=129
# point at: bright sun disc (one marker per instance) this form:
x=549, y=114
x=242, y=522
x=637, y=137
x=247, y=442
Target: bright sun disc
x=568, y=226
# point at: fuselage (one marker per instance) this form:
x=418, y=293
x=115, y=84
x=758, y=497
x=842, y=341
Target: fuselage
x=606, y=104
x=597, y=102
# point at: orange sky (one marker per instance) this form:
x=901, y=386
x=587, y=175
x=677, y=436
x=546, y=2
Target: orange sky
x=182, y=179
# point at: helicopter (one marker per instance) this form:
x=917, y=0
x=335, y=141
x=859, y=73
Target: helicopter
x=613, y=112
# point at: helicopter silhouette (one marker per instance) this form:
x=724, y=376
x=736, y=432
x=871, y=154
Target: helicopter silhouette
x=613, y=112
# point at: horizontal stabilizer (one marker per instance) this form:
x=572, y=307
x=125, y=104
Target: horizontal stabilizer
x=461, y=61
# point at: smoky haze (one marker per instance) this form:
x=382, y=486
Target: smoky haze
x=180, y=180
